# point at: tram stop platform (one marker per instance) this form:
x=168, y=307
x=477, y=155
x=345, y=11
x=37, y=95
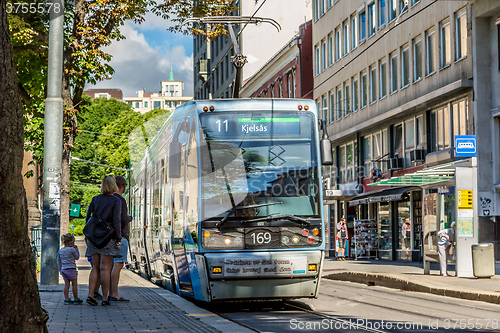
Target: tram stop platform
x=410, y=277
x=151, y=308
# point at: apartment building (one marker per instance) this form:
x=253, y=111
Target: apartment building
x=288, y=74
x=214, y=72
x=393, y=80
x=168, y=98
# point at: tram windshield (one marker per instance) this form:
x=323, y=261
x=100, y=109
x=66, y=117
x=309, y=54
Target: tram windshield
x=258, y=164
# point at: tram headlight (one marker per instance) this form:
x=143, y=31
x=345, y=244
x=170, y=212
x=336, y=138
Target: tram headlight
x=295, y=239
x=285, y=240
x=221, y=240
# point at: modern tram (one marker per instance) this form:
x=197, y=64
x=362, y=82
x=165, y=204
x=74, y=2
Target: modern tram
x=227, y=201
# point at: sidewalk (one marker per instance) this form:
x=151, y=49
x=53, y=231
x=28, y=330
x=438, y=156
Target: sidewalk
x=410, y=277
x=151, y=308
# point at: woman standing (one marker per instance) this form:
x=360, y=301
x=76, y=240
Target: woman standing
x=107, y=207
x=342, y=237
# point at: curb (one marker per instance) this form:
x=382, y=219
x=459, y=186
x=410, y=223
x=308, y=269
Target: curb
x=396, y=282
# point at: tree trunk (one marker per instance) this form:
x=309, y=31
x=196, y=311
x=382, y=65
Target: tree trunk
x=20, y=308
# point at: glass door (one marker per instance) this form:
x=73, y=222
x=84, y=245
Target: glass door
x=385, y=231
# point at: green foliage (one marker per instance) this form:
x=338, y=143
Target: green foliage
x=78, y=226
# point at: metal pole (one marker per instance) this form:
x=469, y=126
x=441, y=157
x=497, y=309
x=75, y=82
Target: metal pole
x=53, y=141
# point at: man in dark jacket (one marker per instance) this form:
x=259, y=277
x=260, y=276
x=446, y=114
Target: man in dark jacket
x=119, y=262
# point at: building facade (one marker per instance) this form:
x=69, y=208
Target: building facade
x=486, y=64
x=105, y=93
x=288, y=74
x=214, y=72
x=393, y=81
x=168, y=98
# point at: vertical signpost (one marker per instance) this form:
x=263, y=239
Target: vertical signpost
x=52, y=146
x=466, y=209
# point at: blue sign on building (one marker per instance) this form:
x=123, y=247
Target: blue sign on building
x=465, y=145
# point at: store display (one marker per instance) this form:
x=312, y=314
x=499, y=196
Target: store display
x=417, y=223
x=366, y=240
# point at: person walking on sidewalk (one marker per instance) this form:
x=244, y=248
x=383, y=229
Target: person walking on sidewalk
x=119, y=262
x=406, y=233
x=446, y=239
x=342, y=238
x=107, y=207
x=66, y=260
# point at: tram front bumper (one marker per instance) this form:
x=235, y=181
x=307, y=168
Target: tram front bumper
x=262, y=275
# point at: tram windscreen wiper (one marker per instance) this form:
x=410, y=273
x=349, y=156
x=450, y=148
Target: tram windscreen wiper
x=234, y=209
x=291, y=217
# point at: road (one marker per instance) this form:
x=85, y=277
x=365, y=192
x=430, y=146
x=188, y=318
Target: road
x=351, y=307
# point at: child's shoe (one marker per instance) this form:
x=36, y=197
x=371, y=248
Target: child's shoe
x=77, y=301
x=68, y=301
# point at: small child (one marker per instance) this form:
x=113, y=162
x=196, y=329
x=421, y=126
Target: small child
x=66, y=260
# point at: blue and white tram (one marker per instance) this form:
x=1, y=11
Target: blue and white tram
x=227, y=201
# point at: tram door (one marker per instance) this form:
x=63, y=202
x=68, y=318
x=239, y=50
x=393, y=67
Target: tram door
x=179, y=225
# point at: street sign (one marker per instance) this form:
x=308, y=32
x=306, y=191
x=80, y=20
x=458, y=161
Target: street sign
x=464, y=199
x=465, y=145
x=75, y=210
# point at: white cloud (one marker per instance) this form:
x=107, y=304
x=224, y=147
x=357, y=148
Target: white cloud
x=140, y=65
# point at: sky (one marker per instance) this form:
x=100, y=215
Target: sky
x=142, y=59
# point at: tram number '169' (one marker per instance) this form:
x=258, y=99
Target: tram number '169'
x=259, y=237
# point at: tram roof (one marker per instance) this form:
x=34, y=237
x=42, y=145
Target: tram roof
x=248, y=104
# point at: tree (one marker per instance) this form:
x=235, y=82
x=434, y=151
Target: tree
x=20, y=307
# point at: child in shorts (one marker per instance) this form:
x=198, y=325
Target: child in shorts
x=66, y=260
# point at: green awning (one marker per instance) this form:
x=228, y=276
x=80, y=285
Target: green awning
x=427, y=176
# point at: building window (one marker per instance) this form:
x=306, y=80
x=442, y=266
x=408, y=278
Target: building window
x=383, y=78
x=460, y=115
x=392, y=10
x=414, y=2
x=323, y=55
x=137, y=104
x=417, y=59
x=364, y=91
x=330, y=49
x=339, y=103
x=371, y=19
x=322, y=6
x=316, y=9
x=345, y=40
x=330, y=4
x=157, y=104
x=316, y=54
x=331, y=106
x=381, y=13
x=354, y=32
x=439, y=129
x=394, y=72
x=145, y=104
x=398, y=140
x=355, y=95
x=325, y=108
x=430, y=46
x=409, y=139
x=403, y=6
x=350, y=154
x=405, y=66
x=461, y=34
x=347, y=98
x=337, y=44
x=362, y=26
x=367, y=155
x=444, y=38
x=342, y=164
x=373, y=84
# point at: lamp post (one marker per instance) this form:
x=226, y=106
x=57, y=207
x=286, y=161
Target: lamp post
x=52, y=147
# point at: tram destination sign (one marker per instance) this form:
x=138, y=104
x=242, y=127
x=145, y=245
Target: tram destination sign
x=265, y=266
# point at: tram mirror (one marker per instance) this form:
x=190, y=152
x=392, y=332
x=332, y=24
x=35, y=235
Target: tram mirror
x=326, y=152
x=174, y=169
